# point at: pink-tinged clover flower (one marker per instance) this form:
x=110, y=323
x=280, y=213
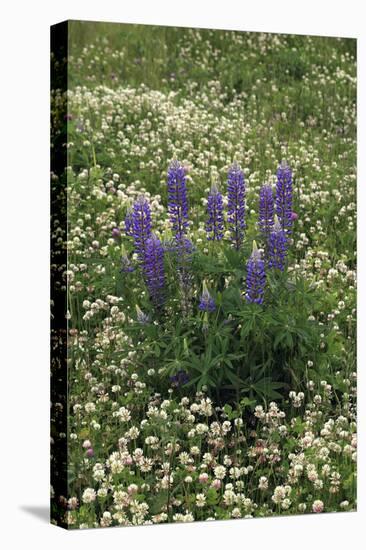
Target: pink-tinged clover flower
x=116, y=232
x=318, y=506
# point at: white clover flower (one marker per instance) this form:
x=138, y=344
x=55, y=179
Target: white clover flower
x=184, y=458
x=123, y=414
x=98, y=471
x=133, y=433
x=89, y=495
x=207, y=458
x=235, y=472
x=279, y=494
x=205, y=407
x=90, y=407
x=73, y=503
x=200, y=500
x=220, y=472
x=344, y=504
x=201, y=429
x=106, y=519
x=187, y=517
x=229, y=497
x=263, y=483
x=285, y=504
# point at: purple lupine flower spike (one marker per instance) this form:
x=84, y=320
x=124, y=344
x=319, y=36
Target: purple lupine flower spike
x=141, y=225
x=207, y=303
x=266, y=210
x=153, y=268
x=215, y=215
x=284, y=197
x=129, y=222
x=236, y=204
x=177, y=198
x=180, y=378
x=277, y=247
x=256, y=277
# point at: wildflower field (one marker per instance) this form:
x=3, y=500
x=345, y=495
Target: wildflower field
x=211, y=275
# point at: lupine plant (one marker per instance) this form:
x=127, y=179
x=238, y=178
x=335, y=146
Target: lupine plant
x=253, y=304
